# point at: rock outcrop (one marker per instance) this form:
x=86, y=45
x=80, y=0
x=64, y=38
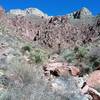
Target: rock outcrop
x=83, y=13
x=28, y=11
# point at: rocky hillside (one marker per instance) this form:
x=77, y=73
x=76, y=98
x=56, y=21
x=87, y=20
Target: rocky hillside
x=49, y=57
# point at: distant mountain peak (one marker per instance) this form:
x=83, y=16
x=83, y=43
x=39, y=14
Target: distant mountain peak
x=28, y=11
x=35, y=11
x=83, y=12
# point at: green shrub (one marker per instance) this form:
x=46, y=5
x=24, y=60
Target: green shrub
x=81, y=52
x=26, y=48
x=94, y=62
x=68, y=55
x=38, y=55
x=94, y=58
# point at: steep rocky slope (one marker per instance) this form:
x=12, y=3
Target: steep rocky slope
x=49, y=57
x=54, y=32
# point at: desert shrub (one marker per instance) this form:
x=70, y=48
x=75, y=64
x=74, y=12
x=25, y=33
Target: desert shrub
x=94, y=58
x=90, y=56
x=22, y=69
x=68, y=55
x=4, y=95
x=38, y=55
x=12, y=94
x=25, y=48
x=30, y=78
x=95, y=62
x=81, y=52
x=78, y=57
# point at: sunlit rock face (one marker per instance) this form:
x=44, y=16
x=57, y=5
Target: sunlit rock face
x=28, y=11
x=17, y=12
x=35, y=11
x=82, y=13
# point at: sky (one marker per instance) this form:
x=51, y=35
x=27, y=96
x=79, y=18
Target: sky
x=53, y=7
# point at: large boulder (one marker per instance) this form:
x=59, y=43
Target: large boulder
x=94, y=80
x=58, y=69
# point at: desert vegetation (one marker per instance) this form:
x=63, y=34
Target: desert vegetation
x=50, y=58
